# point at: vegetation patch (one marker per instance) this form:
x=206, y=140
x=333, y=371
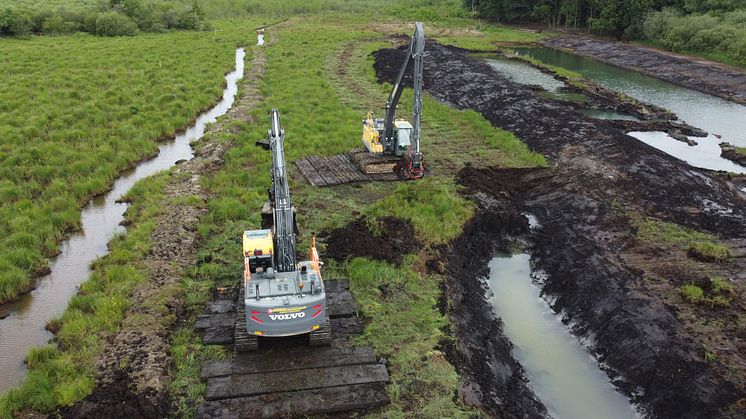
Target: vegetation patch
x=708, y=251
x=714, y=292
x=76, y=111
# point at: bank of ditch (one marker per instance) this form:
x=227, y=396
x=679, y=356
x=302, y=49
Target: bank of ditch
x=600, y=179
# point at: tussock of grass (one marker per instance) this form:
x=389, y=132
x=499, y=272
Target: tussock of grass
x=693, y=293
x=699, y=245
x=431, y=204
x=709, y=251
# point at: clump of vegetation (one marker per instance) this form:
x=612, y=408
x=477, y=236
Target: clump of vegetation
x=701, y=246
x=693, y=293
x=716, y=292
x=709, y=251
x=432, y=205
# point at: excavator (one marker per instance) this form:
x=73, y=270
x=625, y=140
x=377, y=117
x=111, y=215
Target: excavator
x=278, y=295
x=393, y=145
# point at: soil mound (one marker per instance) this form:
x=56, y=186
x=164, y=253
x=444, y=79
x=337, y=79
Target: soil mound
x=394, y=239
x=117, y=400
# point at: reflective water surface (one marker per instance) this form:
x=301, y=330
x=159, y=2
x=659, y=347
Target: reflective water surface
x=566, y=378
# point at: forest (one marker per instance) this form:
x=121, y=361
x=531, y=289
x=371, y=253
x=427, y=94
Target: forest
x=713, y=28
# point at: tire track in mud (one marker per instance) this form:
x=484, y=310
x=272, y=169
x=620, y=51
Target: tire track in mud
x=133, y=365
x=596, y=171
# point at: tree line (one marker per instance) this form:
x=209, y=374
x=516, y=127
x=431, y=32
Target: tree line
x=108, y=18
x=712, y=27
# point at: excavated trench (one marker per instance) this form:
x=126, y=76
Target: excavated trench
x=598, y=176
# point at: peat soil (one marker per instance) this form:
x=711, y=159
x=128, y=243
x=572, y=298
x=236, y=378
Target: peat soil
x=698, y=74
x=393, y=239
x=598, y=177
x=133, y=365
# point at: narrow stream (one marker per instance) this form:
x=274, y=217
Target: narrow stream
x=23, y=329
x=710, y=113
x=565, y=377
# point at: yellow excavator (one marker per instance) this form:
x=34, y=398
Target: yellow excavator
x=394, y=144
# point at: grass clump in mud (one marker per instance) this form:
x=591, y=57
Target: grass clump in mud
x=431, y=204
x=77, y=110
x=716, y=292
x=63, y=374
x=698, y=245
x=709, y=251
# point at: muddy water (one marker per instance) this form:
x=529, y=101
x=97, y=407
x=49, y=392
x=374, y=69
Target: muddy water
x=560, y=370
x=710, y=113
x=23, y=329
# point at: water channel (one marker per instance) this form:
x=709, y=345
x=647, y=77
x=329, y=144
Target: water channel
x=710, y=113
x=23, y=328
x=565, y=377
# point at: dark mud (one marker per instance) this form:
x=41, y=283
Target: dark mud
x=599, y=175
x=118, y=400
x=394, y=239
x=697, y=74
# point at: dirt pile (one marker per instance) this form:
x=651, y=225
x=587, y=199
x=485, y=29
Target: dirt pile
x=707, y=77
x=394, y=239
x=599, y=175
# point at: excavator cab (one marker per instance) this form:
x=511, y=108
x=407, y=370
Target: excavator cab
x=403, y=138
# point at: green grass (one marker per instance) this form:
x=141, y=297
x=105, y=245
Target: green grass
x=709, y=251
x=692, y=293
x=77, y=110
x=720, y=293
x=432, y=205
x=741, y=150
x=64, y=374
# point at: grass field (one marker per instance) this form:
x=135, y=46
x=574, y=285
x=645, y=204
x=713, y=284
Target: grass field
x=75, y=111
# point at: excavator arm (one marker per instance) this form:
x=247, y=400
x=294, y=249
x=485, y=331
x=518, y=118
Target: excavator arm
x=284, y=232
x=416, y=51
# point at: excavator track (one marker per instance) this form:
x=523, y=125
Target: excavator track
x=322, y=336
x=242, y=340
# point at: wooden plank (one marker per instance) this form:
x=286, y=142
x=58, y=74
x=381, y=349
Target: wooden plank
x=331, y=162
x=310, y=173
x=340, y=304
x=322, y=170
x=343, y=327
x=345, y=165
x=319, y=357
x=283, y=381
x=358, y=397
x=335, y=285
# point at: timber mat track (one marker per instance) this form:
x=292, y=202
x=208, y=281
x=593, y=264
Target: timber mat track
x=133, y=365
x=598, y=176
x=694, y=73
x=286, y=377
